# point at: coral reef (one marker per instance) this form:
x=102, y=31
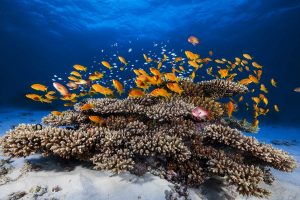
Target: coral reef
x=161, y=136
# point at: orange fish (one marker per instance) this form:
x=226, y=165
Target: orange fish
x=256, y=65
x=191, y=56
x=103, y=90
x=34, y=97
x=122, y=60
x=223, y=73
x=136, y=93
x=118, y=86
x=57, y=113
x=253, y=79
x=39, y=87
x=193, y=40
x=175, y=88
x=96, y=119
x=106, y=64
x=171, y=77
x=160, y=92
x=86, y=106
x=245, y=81
x=79, y=67
x=230, y=108
x=193, y=64
x=255, y=122
x=263, y=88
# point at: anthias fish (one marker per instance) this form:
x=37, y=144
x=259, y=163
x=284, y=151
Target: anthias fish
x=200, y=113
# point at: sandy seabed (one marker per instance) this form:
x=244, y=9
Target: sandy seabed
x=36, y=177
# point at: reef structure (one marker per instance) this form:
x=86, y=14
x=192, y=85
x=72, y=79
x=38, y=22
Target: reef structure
x=159, y=135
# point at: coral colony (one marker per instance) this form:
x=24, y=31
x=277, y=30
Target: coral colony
x=180, y=130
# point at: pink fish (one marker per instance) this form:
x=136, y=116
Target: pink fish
x=193, y=40
x=200, y=113
x=61, y=89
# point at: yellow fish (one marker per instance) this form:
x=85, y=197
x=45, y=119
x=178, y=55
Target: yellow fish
x=121, y=68
x=82, y=82
x=264, y=99
x=237, y=60
x=182, y=68
x=34, y=97
x=75, y=73
x=263, y=88
x=247, y=56
x=96, y=119
x=164, y=58
x=39, y=87
x=122, y=60
x=256, y=65
x=86, y=106
x=135, y=93
x=193, y=74
x=159, y=65
x=68, y=104
x=219, y=61
x=210, y=53
x=147, y=59
x=57, y=113
x=256, y=100
x=171, y=77
x=209, y=71
x=223, y=73
x=175, y=70
x=273, y=82
x=276, y=108
x=73, y=78
x=106, y=64
x=175, y=87
x=118, y=86
x=80, y=67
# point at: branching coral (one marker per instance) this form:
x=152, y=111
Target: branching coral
x=160, y=135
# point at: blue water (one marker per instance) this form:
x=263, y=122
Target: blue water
x=40, y=38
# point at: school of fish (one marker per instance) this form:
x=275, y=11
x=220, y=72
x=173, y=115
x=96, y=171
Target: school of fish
x=104, y=78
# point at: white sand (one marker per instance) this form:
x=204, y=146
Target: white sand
x=82, y=182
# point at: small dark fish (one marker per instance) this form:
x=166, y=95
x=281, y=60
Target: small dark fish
x=38, y=127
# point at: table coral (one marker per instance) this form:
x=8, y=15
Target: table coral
x=159, y=134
